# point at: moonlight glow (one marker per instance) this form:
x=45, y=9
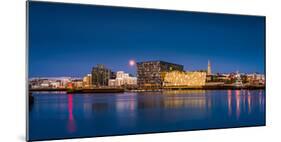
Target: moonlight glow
x=132, y=62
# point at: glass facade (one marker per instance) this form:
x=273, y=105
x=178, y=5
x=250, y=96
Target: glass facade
x=149, y=73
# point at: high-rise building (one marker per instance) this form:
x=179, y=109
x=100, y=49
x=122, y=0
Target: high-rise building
x=209, y=71
x=149, y=73
x=100, y=75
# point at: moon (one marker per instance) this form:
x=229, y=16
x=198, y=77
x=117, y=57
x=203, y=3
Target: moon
x=132, y=62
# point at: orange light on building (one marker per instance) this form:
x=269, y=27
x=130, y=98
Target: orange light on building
x=69, y=85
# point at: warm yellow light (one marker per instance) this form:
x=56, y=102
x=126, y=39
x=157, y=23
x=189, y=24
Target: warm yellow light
x=176, y=78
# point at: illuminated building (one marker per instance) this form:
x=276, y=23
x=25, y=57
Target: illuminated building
x=256, y=79
x=55, y=84
x=87, y=81
x=184, y=79
x=77, y=83
x=238, y=81
x=49, y=82
x=100, y=75
x=45, y=84
x=222, y=77
x=112, y=82
x=209, y=71
x=149, y=73
x=122, y=79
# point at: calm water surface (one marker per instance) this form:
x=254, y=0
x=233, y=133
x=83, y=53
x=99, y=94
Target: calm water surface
x=59, y=115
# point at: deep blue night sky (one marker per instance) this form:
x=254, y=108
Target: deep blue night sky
x=68, y=40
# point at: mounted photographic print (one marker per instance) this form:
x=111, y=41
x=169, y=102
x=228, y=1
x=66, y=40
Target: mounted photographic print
x=104, y=71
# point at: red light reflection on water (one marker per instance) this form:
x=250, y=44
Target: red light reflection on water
x=71, y=127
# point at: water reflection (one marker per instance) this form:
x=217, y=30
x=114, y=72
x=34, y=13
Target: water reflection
x=261, y=100
x=101, y=114
x=200, y=101
x=87, y=110
x=184, y=92
x=229, y=99
x=244, y=102
x=99, y=107
x=126, y=102
x=71, y=127
x=173, y=99
x=177, y=99
x=238, y=97
x=249, y=101
x=191, y=102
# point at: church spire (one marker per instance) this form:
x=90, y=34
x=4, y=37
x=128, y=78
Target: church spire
x=209, y=72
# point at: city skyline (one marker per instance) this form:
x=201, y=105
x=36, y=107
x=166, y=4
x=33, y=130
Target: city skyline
x=134, y=74
x=73, y=40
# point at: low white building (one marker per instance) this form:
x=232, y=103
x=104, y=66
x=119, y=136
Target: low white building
x=122, y=79
x=55, y=84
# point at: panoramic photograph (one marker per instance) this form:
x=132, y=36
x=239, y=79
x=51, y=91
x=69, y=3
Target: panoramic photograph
x=104, y=71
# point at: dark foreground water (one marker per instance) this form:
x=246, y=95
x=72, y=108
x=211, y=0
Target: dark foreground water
x=59, y=115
